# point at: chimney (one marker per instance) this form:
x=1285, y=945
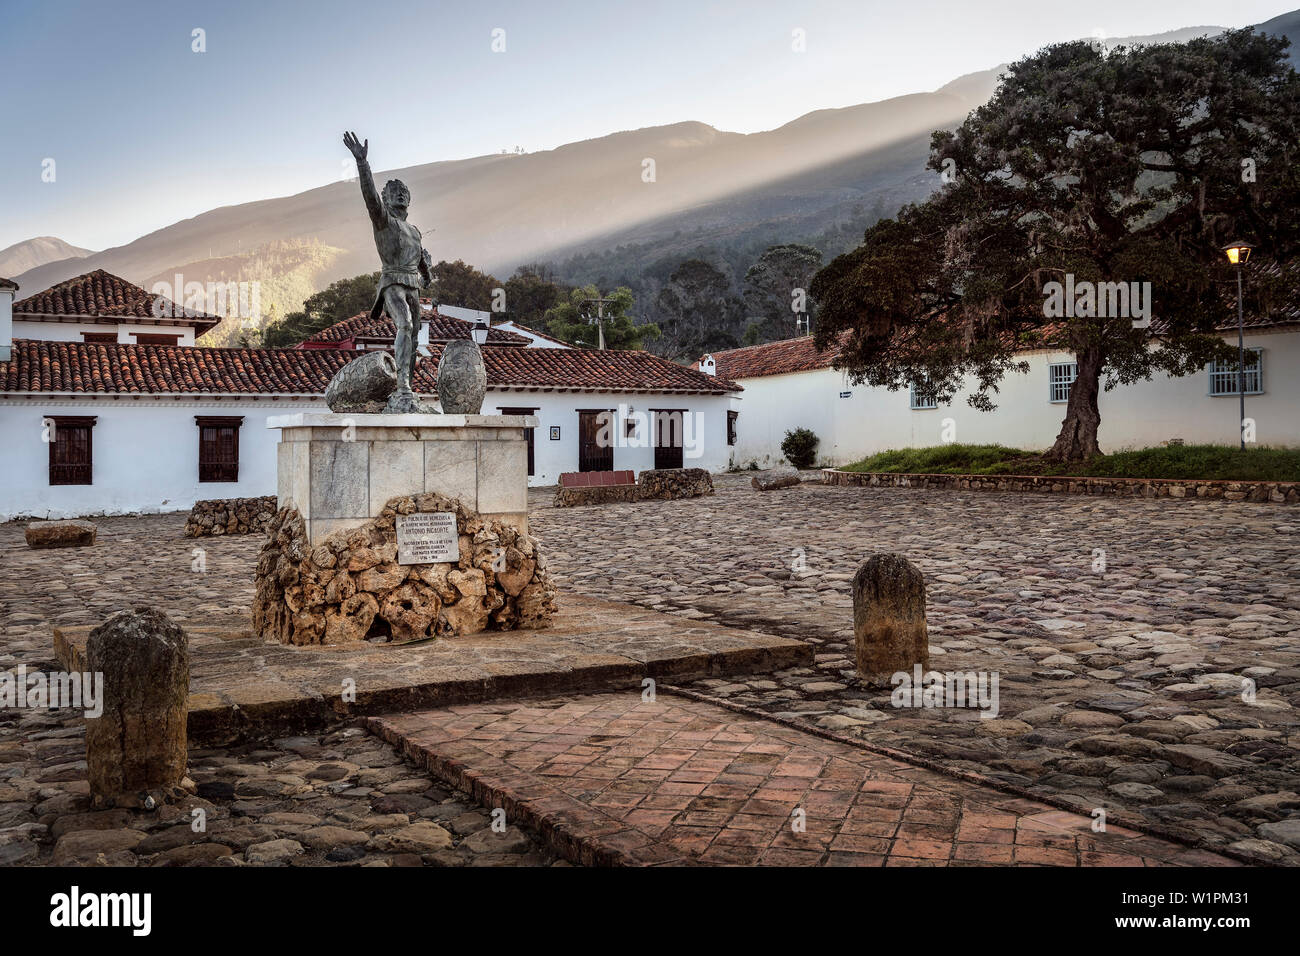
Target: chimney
x=8, y=289
x=708, y=366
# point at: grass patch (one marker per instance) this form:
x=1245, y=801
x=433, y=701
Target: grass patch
x=1206, y=462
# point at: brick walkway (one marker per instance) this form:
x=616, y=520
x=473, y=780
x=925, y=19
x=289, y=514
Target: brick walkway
x=612, y=779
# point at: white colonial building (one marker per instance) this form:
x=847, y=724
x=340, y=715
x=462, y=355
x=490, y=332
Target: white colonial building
x=100, y=414
x=789, y=384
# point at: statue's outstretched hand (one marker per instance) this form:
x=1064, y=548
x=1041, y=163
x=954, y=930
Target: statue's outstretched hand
x=355, y=146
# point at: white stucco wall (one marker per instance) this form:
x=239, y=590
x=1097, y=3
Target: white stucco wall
x=553, y=458
x=145, y=455
x=1134, y=416
x=71, y=331
x=146, y=449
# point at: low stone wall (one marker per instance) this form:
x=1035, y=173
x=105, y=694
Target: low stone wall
x=216, y=516
x=672, y=483
x=1278, y=492
x=664, y=484
x=594, y=495
x=350, y=587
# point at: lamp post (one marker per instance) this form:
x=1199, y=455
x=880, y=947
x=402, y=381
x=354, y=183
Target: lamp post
x=1238, y=255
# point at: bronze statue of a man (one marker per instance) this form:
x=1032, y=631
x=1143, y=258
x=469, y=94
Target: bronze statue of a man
x=406, y=268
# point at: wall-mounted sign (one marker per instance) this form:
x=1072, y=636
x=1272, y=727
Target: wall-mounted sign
x=846, y=394
x=555, y=433
x=427, y=538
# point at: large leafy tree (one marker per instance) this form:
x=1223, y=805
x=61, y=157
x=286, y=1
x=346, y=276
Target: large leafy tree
x=338, y=301
x=459, y=283
x=698, y=312
x=575, y=320
x=776, y=291
x=530, y=293
x=1130, y=165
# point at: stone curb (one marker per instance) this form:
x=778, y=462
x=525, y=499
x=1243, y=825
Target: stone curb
x=1270, y=492
x=1119, y=817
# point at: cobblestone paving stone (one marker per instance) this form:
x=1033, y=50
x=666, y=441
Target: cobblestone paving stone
x=342, y=799
x=1118, y=689
x=668, y=780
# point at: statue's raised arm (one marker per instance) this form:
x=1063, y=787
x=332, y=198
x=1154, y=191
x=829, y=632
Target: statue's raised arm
x=359, y=152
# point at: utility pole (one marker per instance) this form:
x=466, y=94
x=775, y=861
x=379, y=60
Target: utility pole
x=600, y=318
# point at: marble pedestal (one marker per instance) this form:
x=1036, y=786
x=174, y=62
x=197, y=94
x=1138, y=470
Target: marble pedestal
x=339, y=470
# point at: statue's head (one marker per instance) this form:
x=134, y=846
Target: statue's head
x=396, y=196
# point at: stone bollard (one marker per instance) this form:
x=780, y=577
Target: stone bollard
x=137, y=748
x=783, y=476
x=889, y=618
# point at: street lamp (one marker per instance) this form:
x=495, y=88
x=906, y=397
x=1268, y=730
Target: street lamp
x=1238, y=255
x=479, y=333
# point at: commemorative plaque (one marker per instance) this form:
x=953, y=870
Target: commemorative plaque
x=427, y=538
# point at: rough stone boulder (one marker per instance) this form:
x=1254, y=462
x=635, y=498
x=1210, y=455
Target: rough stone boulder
x=350, y=587
x=60, y=534
x=137, y=746
x=218, y=516
x=363, y=385
x=462, y=378
x=672, y=483
x=889, y=630
x=782, y=476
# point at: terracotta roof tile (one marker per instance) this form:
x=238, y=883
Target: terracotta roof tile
x=442, y=328
x=44, y=366
x=774, y=358
x=8, y=284
x=101, y=294
x=86, y=367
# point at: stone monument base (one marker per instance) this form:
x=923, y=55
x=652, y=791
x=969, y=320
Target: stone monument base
x=401, y=528
x=360, y=584
x=339, y=470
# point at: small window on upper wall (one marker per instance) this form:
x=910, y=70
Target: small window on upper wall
x=157, y=339
x=219, y=447
x=1060, y=376
x=731, y=427
x=1223, y=375
x=923, y=396
x=100, y=338
x=71, y=450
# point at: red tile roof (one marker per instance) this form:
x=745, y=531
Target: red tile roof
x=102, y=295
x=442, y=328
x=596, y=370
x=45, y=366
x=774, y=358
x=8, y=284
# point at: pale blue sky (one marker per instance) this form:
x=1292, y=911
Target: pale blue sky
x=144, y=131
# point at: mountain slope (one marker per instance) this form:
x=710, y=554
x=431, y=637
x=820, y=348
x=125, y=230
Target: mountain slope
x=32, y=253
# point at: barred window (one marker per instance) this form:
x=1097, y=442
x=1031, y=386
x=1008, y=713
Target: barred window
x=1223, y=375
x=71, y=449
x=923, y=396
x=1060, y=376
x=218, y=447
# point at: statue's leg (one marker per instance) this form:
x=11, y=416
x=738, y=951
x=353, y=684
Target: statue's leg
x=417, y=317
x=398, y=310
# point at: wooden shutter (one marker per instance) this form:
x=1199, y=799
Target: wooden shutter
x=218, y=447
x=71, y=450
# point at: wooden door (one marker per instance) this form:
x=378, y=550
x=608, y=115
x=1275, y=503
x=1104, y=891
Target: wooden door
x=593, y=453
x=528, y=432
x=668, y=437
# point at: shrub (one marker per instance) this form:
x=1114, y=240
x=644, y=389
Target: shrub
x=800, y=447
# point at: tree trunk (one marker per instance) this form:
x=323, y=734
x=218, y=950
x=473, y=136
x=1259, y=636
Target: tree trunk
x=1077, y=440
